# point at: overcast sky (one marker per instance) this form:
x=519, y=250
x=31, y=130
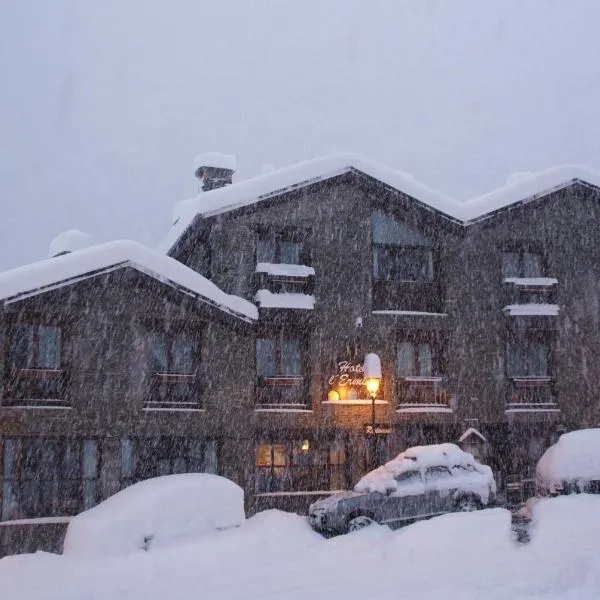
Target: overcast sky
x=105, y=103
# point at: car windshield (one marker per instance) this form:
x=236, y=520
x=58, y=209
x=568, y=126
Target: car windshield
x=408, y=477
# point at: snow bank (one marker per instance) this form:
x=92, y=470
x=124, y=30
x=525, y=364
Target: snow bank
x=574, y=458
x=284, y=270
x=68, y=268
x=468, y=556
x=267, y=299
x=155, y=513
x=478, y=478
x=69, y=241
x=215, y=159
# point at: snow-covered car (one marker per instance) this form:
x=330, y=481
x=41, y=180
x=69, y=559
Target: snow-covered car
x=571, y=465
x=421, y=482
x=155, y=513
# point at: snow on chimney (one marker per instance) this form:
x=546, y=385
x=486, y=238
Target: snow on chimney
x=214, y=170
x=68, y=241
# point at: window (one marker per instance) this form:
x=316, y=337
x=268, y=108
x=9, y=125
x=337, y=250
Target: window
x=528, y=358
x=408, y=477
x=414, y=359
x=49, y=477
x=35, y=347
x=522, y=263
x=173, y=363
x=300, y=465
x=400, y=253
x=152, y=457
x=34, y=376
x=278, y=249
x=278, y=356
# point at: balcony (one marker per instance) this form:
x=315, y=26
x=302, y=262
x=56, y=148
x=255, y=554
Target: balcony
x=173, y=391
x=418, y=296
x=423, y=394
x=281, y=393
x=531, y=394
x=37, y=388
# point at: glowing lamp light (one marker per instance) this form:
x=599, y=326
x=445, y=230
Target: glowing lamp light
x=372, y=373
x=372, y=384
x=333, y=395
x=305, y=445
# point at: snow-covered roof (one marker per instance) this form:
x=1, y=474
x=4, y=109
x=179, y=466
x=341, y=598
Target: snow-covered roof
x=75, y=266
x=267, y=185
x=469, y=432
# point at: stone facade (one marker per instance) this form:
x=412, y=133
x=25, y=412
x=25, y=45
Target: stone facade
x=277, y=430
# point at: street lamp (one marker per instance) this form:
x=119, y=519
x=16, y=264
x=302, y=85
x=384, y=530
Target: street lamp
x=372, y=376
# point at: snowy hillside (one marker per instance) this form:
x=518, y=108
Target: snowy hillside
x=275, y=555
x=105, y=104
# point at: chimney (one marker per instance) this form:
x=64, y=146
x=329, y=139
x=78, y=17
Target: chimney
x=214, y=170
x=68, y=241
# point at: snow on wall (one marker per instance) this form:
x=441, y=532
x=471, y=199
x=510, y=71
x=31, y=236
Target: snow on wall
x=69, y=241
x=285, y=270
x=63, y=270
x=305, y=173
x=469, y=432
x=267, y=299
x=532, y=310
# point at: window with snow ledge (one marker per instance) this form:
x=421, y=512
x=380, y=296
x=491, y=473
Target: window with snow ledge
x=173, y=359
x=529, y=369
x=280, y=370
x=300, y=465
x=143, y=458
x=530, y=290
x=404, y=272
x=420, y=367
x=36, y=374
x=284, y=278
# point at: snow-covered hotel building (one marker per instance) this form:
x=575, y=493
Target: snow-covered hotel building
x=236, y=347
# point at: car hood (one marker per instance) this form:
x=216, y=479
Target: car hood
x=333, y=500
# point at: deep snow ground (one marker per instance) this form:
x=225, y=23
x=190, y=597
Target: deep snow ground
x=276, y=555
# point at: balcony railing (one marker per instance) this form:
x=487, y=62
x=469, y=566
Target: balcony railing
x=422, y=391
x=174, y=391
x=37, y=388
x=530, y=393
x=281, y=393
x=422, y=296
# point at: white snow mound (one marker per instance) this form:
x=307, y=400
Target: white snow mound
x=215, y=159
x=155, y=513
x=575, y=457
x=69, y=241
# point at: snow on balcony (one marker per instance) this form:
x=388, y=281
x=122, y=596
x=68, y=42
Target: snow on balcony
x=284, y=270
x=532, y=310
x=267, y=299
x=532, y=281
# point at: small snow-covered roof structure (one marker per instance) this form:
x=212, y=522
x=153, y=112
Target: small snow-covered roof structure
x=68, y=241
x=69, y=268
x=267, y=185
x=218, y=160
x=470, y=433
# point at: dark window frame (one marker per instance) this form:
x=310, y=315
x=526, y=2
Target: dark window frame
x=399, y=265
x=525, y=343
x=278, y=238
x=173, y=388
x=29, y=487
x=298, y=477
x=523, y=249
